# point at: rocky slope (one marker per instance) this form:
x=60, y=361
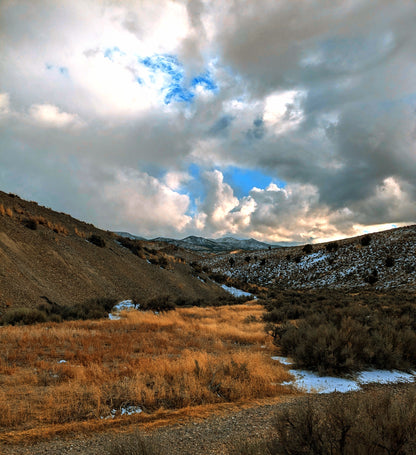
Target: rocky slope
x=45, y=254
x=383, y=260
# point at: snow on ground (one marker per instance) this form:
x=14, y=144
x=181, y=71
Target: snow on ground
x=385, y=377
x=128, y=411
x=311, y=382
x=282, y=360
x=236, y=292
x=312, y=259
x=125, y=305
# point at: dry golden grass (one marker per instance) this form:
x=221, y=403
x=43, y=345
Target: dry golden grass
x=184, y=358
x=60, y=229
x=2, y=210
x=19, y=210
x=9, y=212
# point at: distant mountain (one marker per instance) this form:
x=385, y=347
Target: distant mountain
x=221, y=245
x=127, y=235
x=250, y=244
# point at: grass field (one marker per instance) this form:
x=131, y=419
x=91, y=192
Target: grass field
x=184, y=358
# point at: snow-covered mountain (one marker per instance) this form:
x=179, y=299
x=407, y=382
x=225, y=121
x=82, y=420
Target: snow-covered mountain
x=127, y=235
x=224, y=244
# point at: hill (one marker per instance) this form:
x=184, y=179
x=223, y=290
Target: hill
x=225, y=244
x=383, y=260
x=45, y=255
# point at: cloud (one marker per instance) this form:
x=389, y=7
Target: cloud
x=139, y=199
x=49, y=115
x=4, y=104
x=124, y=98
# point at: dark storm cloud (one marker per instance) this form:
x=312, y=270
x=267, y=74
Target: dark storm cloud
x=220, y=126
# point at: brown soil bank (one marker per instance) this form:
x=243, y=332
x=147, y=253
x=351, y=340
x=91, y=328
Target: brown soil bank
x=47, y=254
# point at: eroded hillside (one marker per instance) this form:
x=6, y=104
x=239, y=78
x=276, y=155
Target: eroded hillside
x=45, y=254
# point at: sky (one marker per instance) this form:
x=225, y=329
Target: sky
x=286, y=121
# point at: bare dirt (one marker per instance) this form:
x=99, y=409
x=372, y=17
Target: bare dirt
x=55, y=260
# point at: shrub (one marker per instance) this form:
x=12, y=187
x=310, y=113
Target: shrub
x=335, y=333
x=132, y=245
x=307, y=249
x=372, y=278
x=23, y=316
x=330, y=247
x=188, y=302
x=159, y=304
x=231, y=261
x=389, y=262
x=52, y=312
x=377, y=423
x=163, y=262
x=218, y=277
x=298, y=259
x=247, y=259
x=91, y=309
x=366, y=240
x=197, y=268
x=97, y=240
x=409, y=268
x=31, y=223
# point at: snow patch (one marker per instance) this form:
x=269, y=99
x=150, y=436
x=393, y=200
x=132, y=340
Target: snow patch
x=385, y=377
x=282, y=360
x=236, y=292
x=311, y=382
x=128, y=410
x=125, y=305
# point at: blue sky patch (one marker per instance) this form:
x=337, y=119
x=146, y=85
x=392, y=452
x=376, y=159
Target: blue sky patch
x=195, y=188
x=205, y=81
x=176, y=87
x=167, y=64
x=178, y=93
x=243, y=180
